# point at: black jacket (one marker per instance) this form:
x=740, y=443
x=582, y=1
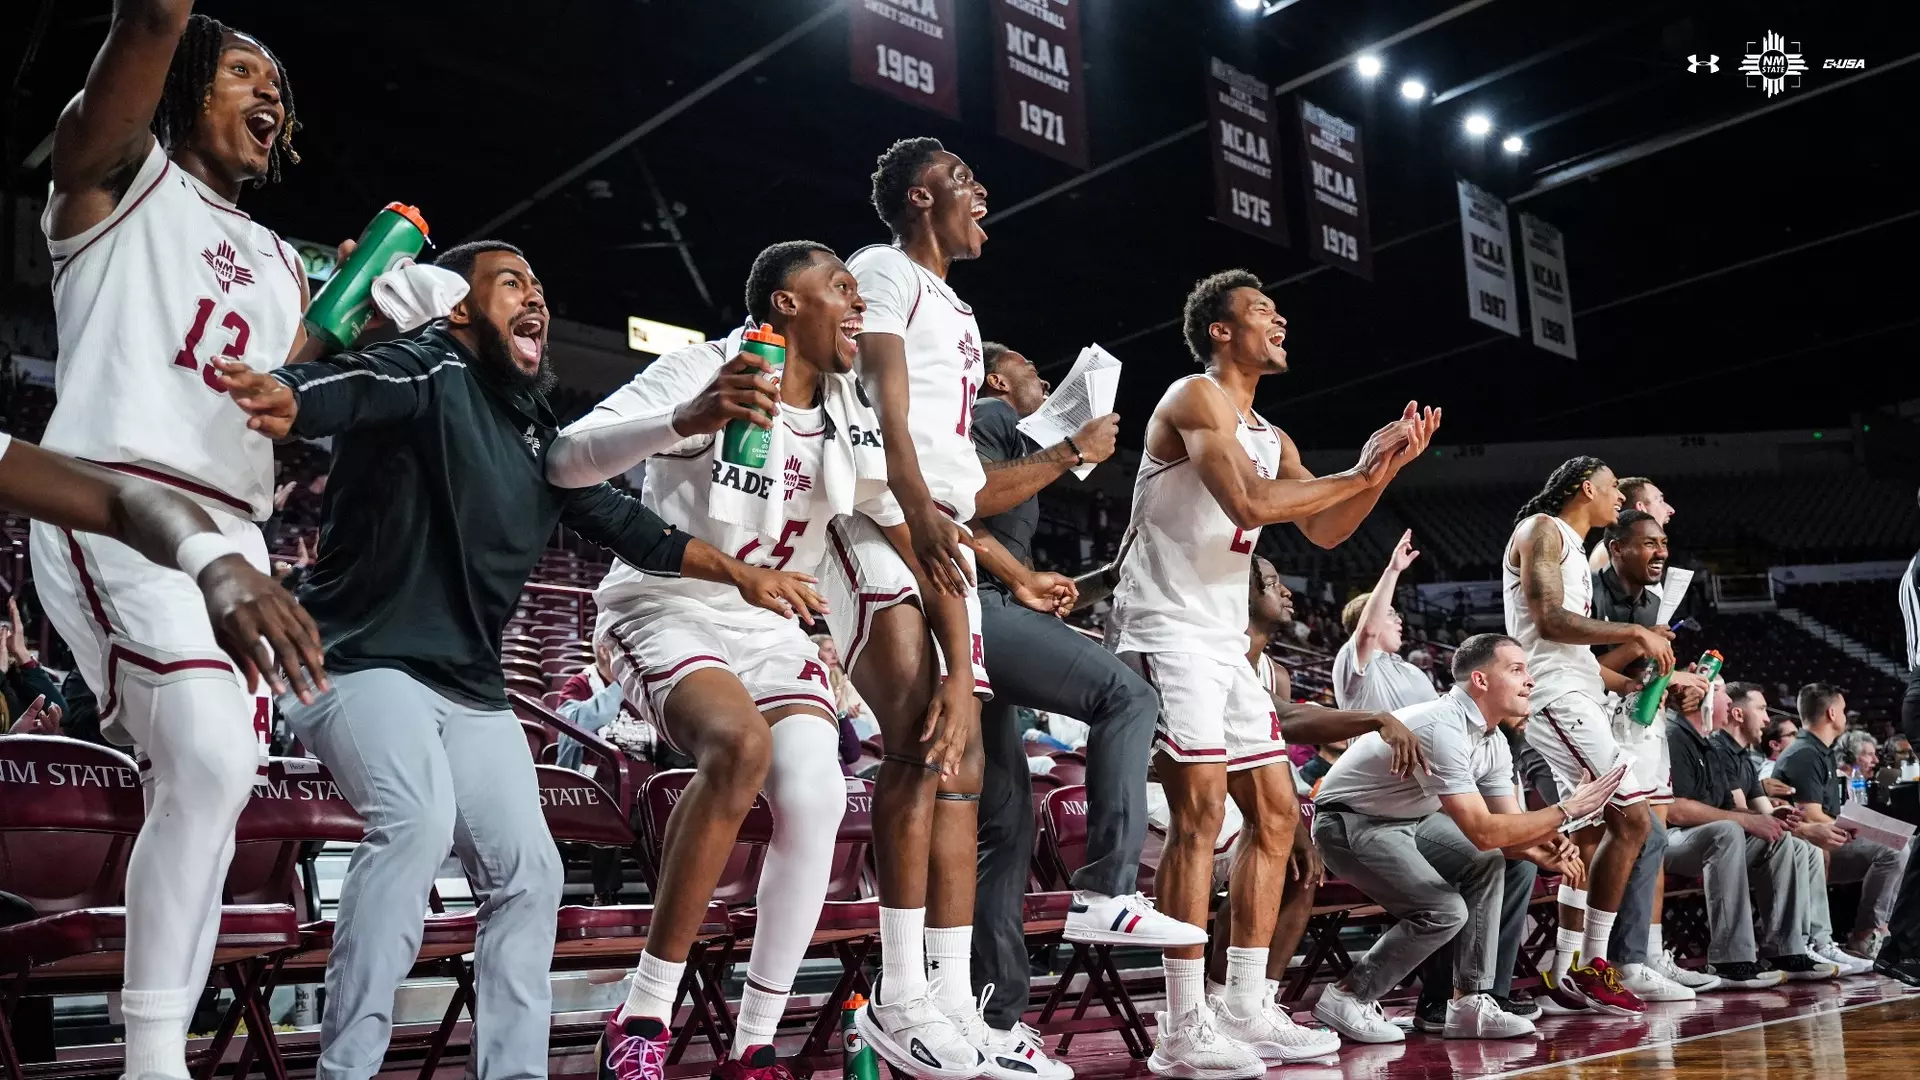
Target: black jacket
x=437, y=508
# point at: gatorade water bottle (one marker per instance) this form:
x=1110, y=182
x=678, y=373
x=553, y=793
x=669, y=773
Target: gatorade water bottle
x=345, y=303
x=1648, y=707
x=857, y=1060
x=745, y=443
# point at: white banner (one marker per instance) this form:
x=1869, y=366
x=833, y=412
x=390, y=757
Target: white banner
x=1548, y=305
x=1483, y=236
x=33, y=370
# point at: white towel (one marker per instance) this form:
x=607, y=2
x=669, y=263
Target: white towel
x=414, y=294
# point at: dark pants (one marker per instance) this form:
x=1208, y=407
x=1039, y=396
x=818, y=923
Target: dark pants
x=1436, y=975
x=1038, y=661
x=1904, y=925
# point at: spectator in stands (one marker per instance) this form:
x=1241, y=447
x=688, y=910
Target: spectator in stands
x=1781, y=731
x=1638, y=493
x=1427, y=847
x=590, y=700
x=1856, y=753
x=1368, y=673
x=1722, y=831
x=1898, y=756
x=1808, y=767
x=24, y=678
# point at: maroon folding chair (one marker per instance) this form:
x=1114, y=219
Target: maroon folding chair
x=1064, y=838
x=69, y=812
x=1069, y=767
x=538, y=737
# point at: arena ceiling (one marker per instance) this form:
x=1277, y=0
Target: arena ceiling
x=1756, y=276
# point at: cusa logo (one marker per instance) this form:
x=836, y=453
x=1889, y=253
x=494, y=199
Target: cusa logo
x=1844, y=65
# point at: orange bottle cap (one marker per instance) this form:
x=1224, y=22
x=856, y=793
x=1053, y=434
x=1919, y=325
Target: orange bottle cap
x=766, y=334
x=411, y=213
x=857, y=1001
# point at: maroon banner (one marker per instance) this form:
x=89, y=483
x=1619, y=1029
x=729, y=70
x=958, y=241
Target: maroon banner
x=1243, y=132
x=1037, y=83
x=1336, y=178
x=907, y=49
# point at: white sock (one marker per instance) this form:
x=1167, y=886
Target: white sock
x=656, y=983
x=157, y=1029
x=760, y=1013
x=950, y=962
x=1593, y=944
x=1654, y=947
x=1565, y=944
x=1215, y=989
x=1246, y=979
x=903, y=960
x=1185, y=981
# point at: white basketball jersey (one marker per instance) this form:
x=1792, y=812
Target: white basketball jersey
x=676, y=489
x=1557, y=669
x=145, y=301
x=1183, y=577
x=944, y=368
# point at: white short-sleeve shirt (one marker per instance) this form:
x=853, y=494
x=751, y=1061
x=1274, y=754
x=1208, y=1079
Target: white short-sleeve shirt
x=1462, y=753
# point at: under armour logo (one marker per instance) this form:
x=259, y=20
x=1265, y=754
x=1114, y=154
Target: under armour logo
x=1711, y=63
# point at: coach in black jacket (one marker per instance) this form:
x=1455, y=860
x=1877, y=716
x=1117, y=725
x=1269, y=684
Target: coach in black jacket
x=437, y=509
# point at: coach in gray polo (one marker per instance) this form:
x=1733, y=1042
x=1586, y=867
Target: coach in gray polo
x=1430, y=848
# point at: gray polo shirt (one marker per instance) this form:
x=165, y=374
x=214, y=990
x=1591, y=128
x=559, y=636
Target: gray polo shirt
x=1464, y=756
x=1385, y=684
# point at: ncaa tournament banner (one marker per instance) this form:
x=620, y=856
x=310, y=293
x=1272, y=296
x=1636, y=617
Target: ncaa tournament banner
x=1038, y=88
x=1243, y=131
x=1548, y=304
x=1336, y=177
x=907, y=49
x=1483, y=235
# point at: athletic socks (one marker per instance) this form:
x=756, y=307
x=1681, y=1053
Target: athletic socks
x=1186, y=980
x=1565, y=944
x=1246, y=979
x=950, y=963
x=656, y=983
x=156, y=1030
x=1654, y=946
x=903, y=961
x=760, y=1012
x=1593, y=946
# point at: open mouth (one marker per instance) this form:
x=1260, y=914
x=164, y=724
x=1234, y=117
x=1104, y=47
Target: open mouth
x=979, y=211
x=1277, y=338
x=263, y=125
x=528, y=333
x=851, y=326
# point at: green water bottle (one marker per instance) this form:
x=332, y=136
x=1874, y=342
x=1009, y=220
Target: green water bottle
x=1648, y=707
x=857, y=1059
x=745, y=443
x=345, y=304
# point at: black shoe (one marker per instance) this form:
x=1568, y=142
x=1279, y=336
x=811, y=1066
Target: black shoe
x=1902, y=969
x=1520, y=1003
x=1430, y=1016
x=1746, y=975
x=1803, y=968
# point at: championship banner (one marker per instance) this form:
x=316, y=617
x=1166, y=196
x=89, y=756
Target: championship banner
x=1483, y=233
x=907, y=49
x=1243, y=130
x=1040, y=94
x=1548, y=304
x=1336, y=178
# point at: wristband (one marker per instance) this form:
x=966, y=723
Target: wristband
x=1078, y=457
x=196, y=551
x=1571, y=897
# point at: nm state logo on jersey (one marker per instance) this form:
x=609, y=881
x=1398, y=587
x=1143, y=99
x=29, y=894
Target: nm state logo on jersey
x=970, y=350
x=796, y=479
x=226, y=266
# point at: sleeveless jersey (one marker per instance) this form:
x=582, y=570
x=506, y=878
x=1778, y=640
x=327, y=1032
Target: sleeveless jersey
x=1183, y=578
x=1557, y=669
x=145, y=301
x=676, y=488
x=1270, y=675
x=944, y=368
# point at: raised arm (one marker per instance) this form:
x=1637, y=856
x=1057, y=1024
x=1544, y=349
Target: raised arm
x=1330, y=527
x=1378, y=609
x=103, y=134
x=1538, y=552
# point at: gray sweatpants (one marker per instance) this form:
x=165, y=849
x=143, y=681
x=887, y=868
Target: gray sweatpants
x=1728, y=860
x=1428, y=875
x=429, y=774
x=1878, y=868
x=1633, y=923
x=1037, y=661
x=1516, y=896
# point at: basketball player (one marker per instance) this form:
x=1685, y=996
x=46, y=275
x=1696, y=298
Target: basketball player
x=739, y=688
x=1636, y=493
x=920, y=362
x=256, y=623
x=1213, y=475
x=156, y=275
x=1549, y=607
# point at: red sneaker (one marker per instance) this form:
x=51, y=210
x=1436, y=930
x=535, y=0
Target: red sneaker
x=633, y=1049
x=1599, y=983
x=758, y=1063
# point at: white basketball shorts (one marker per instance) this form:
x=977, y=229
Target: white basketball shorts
x=863, y=575
x=1574, y=733
x=1211, y=710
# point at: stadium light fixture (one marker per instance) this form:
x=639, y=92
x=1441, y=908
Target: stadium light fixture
x=1368, y=66
x=1247, y=5
x=1413, y=90
x=1513, y=144
x=1478, y=124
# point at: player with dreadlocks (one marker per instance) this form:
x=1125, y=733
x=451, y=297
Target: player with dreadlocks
x=156, y=275
x=1549, y=608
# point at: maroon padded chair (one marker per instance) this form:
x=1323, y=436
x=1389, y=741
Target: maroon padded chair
x=1069, y=767
x=539, y=737
x=69, y=811
x=1064, y=839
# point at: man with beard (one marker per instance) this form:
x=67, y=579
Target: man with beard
x=437, y=510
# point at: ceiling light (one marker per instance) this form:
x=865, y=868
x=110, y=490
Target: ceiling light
x=1247, y=5
x=1513, y=144
x=1478, y=124
x=1368, y=65
x=1413, y=90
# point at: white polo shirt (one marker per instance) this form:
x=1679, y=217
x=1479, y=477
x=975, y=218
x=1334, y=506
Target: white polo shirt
x=1463, y=755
